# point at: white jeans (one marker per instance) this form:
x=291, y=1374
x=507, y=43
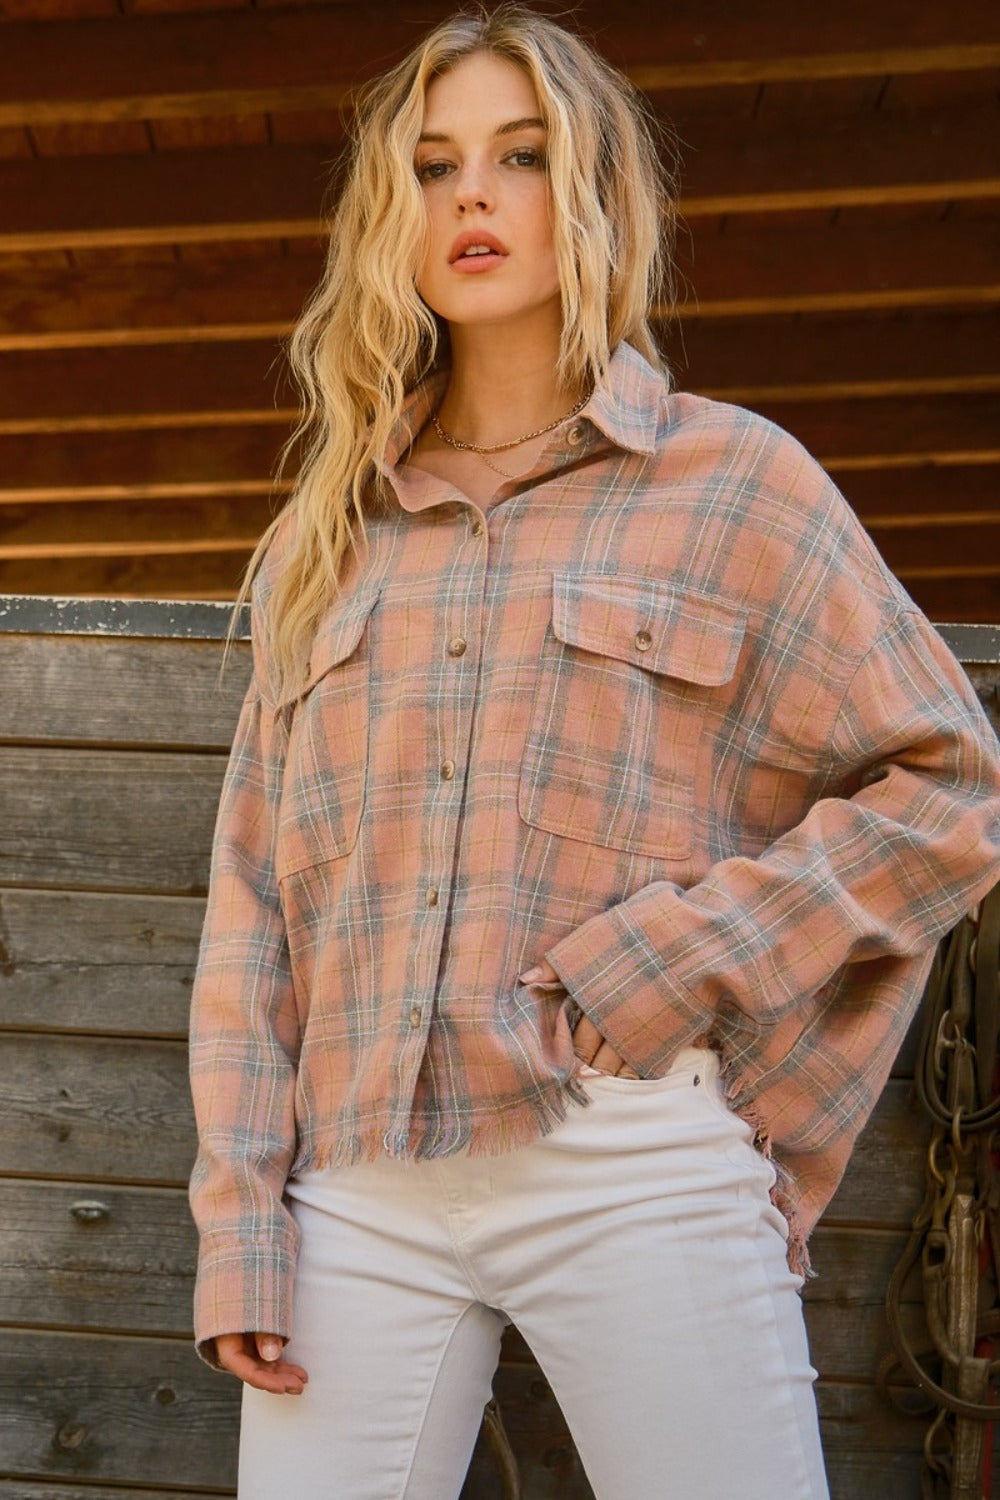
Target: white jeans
x=636, y=1249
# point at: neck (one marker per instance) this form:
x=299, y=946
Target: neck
x=501, y=385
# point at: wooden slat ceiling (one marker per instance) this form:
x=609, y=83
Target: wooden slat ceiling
x=163, y=170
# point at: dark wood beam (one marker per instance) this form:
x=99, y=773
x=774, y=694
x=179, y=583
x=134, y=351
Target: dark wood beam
x=237, y=459
x=759, y=269
x=206, y=575
x=266, y=192
x=961, y=549
x=877, y=432
x=191, y=301
x=141, y=464
x=915, y=495
x=158, y=385
x=973, y=600
x=251, y=61
x=801, y=358
x=823, y=356
x=969, y=596
x=114, y=528
x=738, y=273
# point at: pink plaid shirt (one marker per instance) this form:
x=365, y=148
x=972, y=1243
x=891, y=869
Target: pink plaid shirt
x=661, y=716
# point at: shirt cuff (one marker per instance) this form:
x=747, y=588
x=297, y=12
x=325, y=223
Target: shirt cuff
x=242, y=1289
x=622, y=983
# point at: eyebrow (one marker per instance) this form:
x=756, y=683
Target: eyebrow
x=513, y=127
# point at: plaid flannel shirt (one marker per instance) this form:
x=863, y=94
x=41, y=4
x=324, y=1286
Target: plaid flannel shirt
x=660, y=715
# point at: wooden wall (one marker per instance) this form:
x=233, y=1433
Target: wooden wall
x=163, y=171
x=112, y=750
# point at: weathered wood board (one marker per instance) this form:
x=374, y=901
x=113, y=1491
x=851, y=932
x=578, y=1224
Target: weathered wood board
x=97, y=962
x=111, y=758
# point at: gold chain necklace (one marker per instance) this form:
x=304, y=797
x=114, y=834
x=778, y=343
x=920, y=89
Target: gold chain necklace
x=483, y=450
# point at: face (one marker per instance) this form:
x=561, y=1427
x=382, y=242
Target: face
x=481, y=164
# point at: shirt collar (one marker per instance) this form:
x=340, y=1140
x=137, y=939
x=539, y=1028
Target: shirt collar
x=625, y=406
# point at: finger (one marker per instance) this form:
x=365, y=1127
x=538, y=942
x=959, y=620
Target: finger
x=607, y=1060
x=540, y=973
x=586, y=1040
x=238, y=1354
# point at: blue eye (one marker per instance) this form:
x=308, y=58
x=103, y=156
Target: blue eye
x=527, y=156
x=433, y=171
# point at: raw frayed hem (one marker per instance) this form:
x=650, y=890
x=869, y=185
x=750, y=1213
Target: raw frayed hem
x=783, y=1193
x=525, y=1122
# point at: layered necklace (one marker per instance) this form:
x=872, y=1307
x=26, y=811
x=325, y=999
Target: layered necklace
x=483, y=450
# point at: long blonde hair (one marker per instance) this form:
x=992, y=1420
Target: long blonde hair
x=366, y=337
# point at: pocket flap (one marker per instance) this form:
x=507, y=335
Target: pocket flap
x=337, y=637
x=657, y=626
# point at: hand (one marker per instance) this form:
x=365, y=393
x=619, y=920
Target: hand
x=588, y=1043
x=256, y=1358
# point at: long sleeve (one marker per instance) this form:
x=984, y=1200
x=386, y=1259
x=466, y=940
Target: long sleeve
x=868, y=880
x=244, y=1048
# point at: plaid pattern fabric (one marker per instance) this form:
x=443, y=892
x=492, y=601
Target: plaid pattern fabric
x=660, y=715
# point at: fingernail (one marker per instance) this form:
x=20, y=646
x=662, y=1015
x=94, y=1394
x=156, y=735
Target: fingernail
x=270, y=1348
x=530, y=975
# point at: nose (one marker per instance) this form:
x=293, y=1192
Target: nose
x=472, y=191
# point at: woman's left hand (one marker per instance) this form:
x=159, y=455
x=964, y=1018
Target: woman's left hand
x=588, y=1043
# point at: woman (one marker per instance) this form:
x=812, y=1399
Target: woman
x=592, y=758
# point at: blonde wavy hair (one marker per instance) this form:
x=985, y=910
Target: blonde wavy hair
x=366, y=338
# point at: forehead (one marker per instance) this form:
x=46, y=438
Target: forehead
x=482, y=90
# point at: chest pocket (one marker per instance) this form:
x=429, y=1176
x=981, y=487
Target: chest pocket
x=323, y=789
x=628, y=674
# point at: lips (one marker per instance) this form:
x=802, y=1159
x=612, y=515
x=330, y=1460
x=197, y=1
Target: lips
x=472, y=238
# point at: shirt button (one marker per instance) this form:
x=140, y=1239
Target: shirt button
x=643, y=640
x=477, y=528
x=447, y=770
x=575, y=435
x=415, y=1015
x=432, y=895
x=457, y=646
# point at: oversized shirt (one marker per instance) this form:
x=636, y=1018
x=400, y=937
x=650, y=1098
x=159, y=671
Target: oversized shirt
x=659, y=715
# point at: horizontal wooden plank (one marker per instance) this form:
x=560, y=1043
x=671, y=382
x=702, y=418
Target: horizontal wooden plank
x=884, y=1182
x=132, y=1411
x=215, y=64
x=973, y=598
x=866, y=430
x=914, y=494
x=725, y=274
x=32, y=1489
x=89, y=1256
x=136, y=820
x=87, y=961
x=107, y=302
x=96, y=1109
x=112, y=528
x=48, y=390
x=145, y=1411
x=264, y=192
x=225, y=459
x=93, y=1256
x=811, y=357
x=64, y=1094
x=750, y=269
x=127, y=692
x=911, y=551
x=173, y=575
x=147, y=620
x=801, y=357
